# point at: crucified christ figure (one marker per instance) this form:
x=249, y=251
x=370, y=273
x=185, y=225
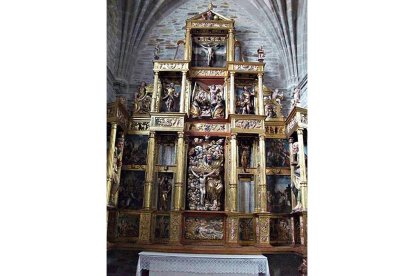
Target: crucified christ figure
x=202, y=179
x=210, y=52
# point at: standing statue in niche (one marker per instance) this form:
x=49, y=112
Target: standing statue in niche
x=170, y=94
x=245, y=157
x=246, y=102
x=296, y=178
x=165, y=189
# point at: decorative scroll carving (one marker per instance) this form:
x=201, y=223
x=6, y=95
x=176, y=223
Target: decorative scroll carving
x=248, y=124
x=144, y=233
x=203, y=127
x=232, y=228
x=169, y=122
x=210, y=25
x=174, y=66
x=205, y=179
x=175, y=226
x=199, y=228
x=139, y=126
x=207, y=73
x=246, y=67
x=264, y=229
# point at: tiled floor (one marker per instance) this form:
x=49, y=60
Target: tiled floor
x=124, y=263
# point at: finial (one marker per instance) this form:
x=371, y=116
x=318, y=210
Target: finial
x=210, y=6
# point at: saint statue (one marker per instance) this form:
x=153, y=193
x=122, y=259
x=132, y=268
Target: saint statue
x=165, y=188
x=296, y=97
x=142, y=101
x=245, y=101
x=260, y=54
x=169, y=97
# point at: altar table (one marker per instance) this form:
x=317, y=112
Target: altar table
x=178, y=264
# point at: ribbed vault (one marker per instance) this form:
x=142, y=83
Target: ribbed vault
x=134, y=26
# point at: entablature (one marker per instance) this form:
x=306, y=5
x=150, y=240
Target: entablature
x=171, y=65
x=298, y=118
x=245, y=67
x=117, y=113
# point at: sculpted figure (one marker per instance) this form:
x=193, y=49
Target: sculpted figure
x=169, y=97
x=296, y=97
x=142, y=100
x=260, y=54
x=214, y=189
x=202, y=180
x=165, y=188
x=245, y=156
x=245, y=102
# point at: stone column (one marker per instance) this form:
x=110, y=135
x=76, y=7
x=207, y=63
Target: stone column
x=179, y=178
x=187, y=52
x=233, y=174
x=260, y=93
x=149, y=176
x=261, y=195
x=182, y=98
x=231, y=46
x=232, y=96
x=110, y=161
x=302, y=168
x=154, y=93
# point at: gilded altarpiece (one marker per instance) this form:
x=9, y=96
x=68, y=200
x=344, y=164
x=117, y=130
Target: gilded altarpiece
x=204, y=161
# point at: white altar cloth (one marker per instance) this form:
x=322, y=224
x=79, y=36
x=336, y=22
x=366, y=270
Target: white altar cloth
x=178, y=264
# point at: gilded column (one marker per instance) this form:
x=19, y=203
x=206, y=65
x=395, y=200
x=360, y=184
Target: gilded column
x=149, y=176
x=154, y=93
x=302, y=169
x=261, y=196
x=232, y=100
x=187, y=52
x=178, y=186
x=110, y=161
x=182, y=98
x=260, y=94
x=231, y=46
x=292, y=170
x=233, y=174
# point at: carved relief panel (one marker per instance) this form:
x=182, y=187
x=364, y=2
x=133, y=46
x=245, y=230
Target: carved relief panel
x=205, y=175
x=207, y=100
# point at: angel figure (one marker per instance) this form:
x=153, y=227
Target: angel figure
x=169, y=97
x=202, y=180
